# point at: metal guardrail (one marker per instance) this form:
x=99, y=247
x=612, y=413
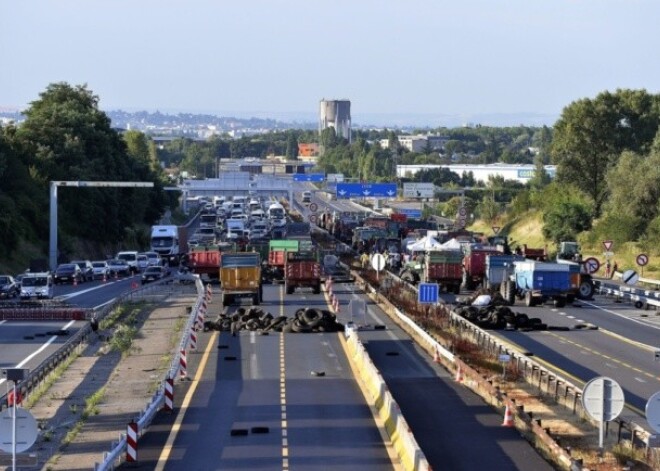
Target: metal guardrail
x=642, y=298
x=144, y=419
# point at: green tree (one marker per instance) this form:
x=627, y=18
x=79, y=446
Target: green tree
x=591, y=134
x=291, y=147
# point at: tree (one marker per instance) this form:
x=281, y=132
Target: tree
x=291, y=147
x=590, y=135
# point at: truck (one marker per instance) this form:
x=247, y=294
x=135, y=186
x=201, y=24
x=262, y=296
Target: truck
x=444, y=267
x=240, y=276
x=277, y=250
x=474, y=264
x=302, y=269
x=204, y=260
x=537, y=282
x=570, y=254
x=170, y=242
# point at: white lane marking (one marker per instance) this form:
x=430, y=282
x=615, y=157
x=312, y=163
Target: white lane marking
x=253, y=337
x=570, y=317
x=611, y=365
x=39, y=350
x=562, y=313
x=2, y=322
x=640, y=380
x=580, y=320
x=645, y=324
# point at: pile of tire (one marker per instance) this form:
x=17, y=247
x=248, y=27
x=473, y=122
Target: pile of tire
x=257, y=320
x=309, y=320
x=500, y=317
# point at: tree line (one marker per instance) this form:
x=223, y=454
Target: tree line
x=607, y=152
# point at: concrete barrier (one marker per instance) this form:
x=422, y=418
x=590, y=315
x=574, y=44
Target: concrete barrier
x=411, y=455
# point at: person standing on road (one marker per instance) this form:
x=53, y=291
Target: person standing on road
x=607, y=269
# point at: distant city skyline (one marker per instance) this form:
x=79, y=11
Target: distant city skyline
x=422, y=62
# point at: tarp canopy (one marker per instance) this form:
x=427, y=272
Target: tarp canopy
x=451, y=244
x=423, y=244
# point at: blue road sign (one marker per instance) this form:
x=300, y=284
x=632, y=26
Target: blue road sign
x=308, y=177
x=362, y=190
x=428, y=293
x=411, y=213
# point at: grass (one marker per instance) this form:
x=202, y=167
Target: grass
x=56, y=374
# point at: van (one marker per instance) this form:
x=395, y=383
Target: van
x=131, y=258
x=306, y=196
x=37, y=285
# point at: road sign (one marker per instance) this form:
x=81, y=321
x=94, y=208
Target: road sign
x=462, y=211
x=496, y=229
x=428, y=293
x=592, y=265
x=308, y=177
x=603, y=400
x=608, y=244
x=313, y=207
x=361, y=190
x=410, y=212
x=642, y=259
x=630, y=277
x=653, y=411
x=26, y=430
x=378, y=261
x=312, y=218
x=418, y=190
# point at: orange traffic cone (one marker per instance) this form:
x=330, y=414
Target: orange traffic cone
x=75, y=281
x=508, y=418
x=104, y=278
x=459, y=375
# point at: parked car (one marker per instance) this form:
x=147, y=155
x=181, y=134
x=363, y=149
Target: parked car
x=100, y=270
x=153, y=274
x=86, y=268
x=9, y=288
x=68, y=272
x=118, y=268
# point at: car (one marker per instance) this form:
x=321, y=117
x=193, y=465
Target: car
x=118, y=268
x=86, y=268
x=100, y=270
x=37, y=285
x=9, y=288
x=153, y=274
x=67, y=272
x=130, y=256
x=154, y=259
x=142, y=262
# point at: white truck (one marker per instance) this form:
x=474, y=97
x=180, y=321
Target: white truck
x=169, y=242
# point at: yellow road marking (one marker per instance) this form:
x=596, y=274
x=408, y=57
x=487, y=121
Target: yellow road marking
x=167, y=449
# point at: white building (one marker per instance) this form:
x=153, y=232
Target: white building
x=522, y=173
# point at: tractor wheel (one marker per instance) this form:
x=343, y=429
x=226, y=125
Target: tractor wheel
x=586, y=290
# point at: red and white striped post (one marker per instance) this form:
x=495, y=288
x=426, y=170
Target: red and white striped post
x=200, y=319
x=183, y=364
x=208, y=292
x=193, y=340
x=169, y=395
x=131, y=442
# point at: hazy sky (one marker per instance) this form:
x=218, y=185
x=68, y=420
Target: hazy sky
x=388, y=57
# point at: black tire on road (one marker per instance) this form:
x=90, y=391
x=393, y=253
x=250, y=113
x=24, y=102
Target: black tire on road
x=559, y=302
x=288, y=288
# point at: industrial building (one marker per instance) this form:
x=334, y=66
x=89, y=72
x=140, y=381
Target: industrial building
x=522, y=173
x=336, y=114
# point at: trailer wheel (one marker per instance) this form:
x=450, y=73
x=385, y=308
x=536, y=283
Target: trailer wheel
x=317, y=288
x=288, y=288
x=457, y=288
x=559, y=302
x=586, y=290
x=529, y=299
x=261, y=293
x=255, y=299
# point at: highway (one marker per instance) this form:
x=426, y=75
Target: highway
x=323, y=422
x=25, y=344
x=622, y=347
